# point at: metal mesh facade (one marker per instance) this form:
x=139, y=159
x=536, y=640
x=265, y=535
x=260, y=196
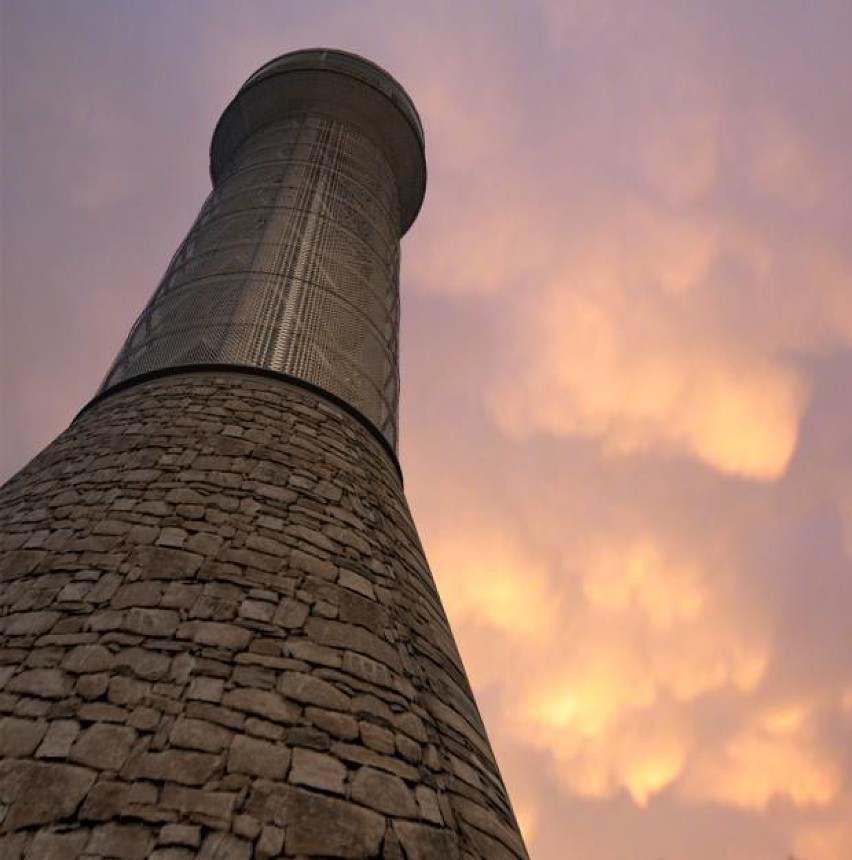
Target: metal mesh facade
x=292, y=266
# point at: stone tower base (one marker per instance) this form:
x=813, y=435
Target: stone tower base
x=220, y=638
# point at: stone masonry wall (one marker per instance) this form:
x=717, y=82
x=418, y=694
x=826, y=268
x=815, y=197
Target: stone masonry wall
x=220, y=639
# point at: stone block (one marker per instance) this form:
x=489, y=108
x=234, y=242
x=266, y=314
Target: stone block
x=180, y=834
x=410, y=750
x=351, y=831
x=215, y=714
x=290, y=613
x=74, y=592
x=309, y=737
x=313, y=538
x=258, y=758
x=271, y=842
x=159, y=562
x=47, y=845
x=41, y=793
x=317, y=655
x=216, y=634
x=486, y=820
x=83, y=659
x=172, y=537
x=339, y=725
x=422, y=842
x=249, y=559
x=355, y=609
x=486, y=846
x=123, y=841
x=142, y=793
x=181, y=766
x=246, y=825
x=257, y=610
x=367, y=669
x=42, y=683
x=311, y=690
x=383, y=792
x=34, y=708
x=61, y=734
x=182, y=667
x=258, y=677
x=19, y=738
x=317, y=770
x=307, y=563
x=262, y=703
x=199, y=735
x=267, y=545
x=91, y=686
x=213, y=608
x=348, y=537
x=180, y=595
x=151, y=622
x=264, y=729
x=206, y=689
x=359, y=754
x=378, y=738
x=147, y=593
x=144, y=719
x=213, y=806
x=204, y=543
x=106, y=619
x=103, y=746
x=225, y=846
x=185, y=496
x=94, y=712
x=143, y=662
x=105, y=800
x=356, y=582
x=127, y=691
x=427, y=801
x=30, y=623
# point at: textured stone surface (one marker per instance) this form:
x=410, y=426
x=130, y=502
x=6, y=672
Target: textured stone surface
x=223, y=644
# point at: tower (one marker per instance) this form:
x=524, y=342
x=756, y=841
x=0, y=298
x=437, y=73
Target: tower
x=220, y=636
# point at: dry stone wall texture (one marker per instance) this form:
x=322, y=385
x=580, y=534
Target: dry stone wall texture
x=220, y=639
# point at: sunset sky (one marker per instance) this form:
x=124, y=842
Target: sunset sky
x=626, y=419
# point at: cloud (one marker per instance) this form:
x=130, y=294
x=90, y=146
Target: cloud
x=638, y=374
x=500, y=584
x=776, y=757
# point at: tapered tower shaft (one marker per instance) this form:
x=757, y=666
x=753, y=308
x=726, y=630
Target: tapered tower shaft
x=219, y=633
x=293, y=263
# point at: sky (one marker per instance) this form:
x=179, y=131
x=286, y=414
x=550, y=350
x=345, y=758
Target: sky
x=626, y=357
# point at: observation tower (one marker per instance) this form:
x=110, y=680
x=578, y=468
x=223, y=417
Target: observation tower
x=220, y=635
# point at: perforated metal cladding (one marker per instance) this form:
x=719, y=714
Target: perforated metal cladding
x=292, y=266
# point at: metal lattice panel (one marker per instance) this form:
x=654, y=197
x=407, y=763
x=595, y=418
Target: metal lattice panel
x=292, y=266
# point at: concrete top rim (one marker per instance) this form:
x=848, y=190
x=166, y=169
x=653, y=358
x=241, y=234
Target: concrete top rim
x=398, y=109
x=345, y=62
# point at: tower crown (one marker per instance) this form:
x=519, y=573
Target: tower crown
x=348, y=87
x=292, y=266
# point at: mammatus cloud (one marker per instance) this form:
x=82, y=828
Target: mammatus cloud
x=661, y=276
x=649, y=378
x=501, y=585
x=778, y=756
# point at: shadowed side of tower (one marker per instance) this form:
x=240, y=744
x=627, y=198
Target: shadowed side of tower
x=220, y=636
